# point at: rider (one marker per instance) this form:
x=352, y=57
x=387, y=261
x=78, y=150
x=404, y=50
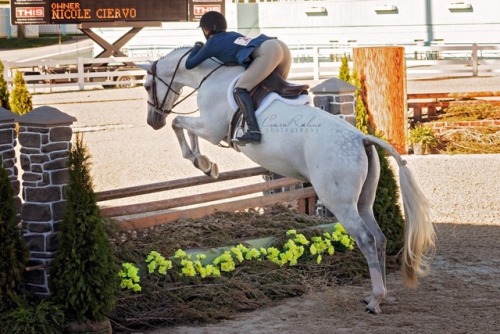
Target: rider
x=260, y=56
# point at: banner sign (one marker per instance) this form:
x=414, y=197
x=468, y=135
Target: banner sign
x=199, y=7
x=25, y=12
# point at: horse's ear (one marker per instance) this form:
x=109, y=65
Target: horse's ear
x=146, y=67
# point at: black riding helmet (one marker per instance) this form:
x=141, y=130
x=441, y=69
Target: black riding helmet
x=213, y=21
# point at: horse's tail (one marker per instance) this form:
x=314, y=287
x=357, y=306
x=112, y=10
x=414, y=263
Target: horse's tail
x=419, y=230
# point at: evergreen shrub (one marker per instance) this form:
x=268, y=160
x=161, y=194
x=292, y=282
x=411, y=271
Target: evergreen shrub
x=13, y=249
x=4, y=91
x=84, y=277
x=20, y=98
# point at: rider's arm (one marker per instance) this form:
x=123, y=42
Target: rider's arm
x=198, y=54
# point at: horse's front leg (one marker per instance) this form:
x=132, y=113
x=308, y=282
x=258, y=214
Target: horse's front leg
x=192, y=153
x=208, y=167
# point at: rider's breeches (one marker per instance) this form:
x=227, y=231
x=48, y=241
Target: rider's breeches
x=270, y=55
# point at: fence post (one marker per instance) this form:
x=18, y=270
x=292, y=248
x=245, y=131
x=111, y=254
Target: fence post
x=474, y=60
x=81, y=81
x=45, y=139
x=382, y=71
x=316, y=63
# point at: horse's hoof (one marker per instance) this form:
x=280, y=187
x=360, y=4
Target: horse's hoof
x=203, y=163
x=373, y=309
x=214, y=172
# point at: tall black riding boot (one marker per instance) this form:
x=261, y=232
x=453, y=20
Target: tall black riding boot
x=245, y=103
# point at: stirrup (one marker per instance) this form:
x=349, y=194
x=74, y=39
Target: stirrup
x=249, y=137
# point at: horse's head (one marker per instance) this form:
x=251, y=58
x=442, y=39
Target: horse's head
x=162, y=87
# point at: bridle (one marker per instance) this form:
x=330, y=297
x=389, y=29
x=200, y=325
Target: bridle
x=159, y=107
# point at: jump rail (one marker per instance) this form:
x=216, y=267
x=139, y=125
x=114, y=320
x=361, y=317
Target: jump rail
x=148, y=214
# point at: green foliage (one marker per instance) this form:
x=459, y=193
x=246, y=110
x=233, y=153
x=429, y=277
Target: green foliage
x=344, y=69
x=424, y=135
x=20, y=98
x=13, y=250
x=362, y=119
x=296, y=247
x=84, y=276
x=4, y=91
x=33, y=317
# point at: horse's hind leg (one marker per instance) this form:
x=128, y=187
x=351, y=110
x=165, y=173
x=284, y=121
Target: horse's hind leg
x=343, y=205
x=365, y=209
x=367, y=243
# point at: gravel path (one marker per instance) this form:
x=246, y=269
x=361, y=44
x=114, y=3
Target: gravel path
x=126, y=151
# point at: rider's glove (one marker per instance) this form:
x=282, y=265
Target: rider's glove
x=200, y=44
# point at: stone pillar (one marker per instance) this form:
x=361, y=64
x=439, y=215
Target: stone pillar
x=336, y=97
x=45, y=138
x=7, y=150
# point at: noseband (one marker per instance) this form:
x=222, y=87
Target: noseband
x=155, y=104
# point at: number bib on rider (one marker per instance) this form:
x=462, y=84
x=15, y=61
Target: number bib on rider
x=243, y=41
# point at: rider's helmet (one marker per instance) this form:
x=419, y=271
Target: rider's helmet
x=213, y=21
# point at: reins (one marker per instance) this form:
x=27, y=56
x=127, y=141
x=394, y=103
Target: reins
x=159, y=107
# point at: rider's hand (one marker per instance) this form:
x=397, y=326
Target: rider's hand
x=200, y=44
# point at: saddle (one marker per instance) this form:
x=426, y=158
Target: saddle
x=274, y=82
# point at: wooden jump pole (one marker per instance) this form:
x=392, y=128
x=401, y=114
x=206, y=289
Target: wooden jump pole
x=177, y=184
x=178, y=202
x=198, y=212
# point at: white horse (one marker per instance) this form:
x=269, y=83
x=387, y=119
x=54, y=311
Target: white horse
x=304, y=143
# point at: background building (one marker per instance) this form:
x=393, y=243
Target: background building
x=324, y=22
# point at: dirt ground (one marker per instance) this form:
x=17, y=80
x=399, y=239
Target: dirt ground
x=461, y=295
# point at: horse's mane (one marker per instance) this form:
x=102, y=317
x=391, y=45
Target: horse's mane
x=214, y=61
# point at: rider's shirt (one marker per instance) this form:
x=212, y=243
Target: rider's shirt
x=228, y=47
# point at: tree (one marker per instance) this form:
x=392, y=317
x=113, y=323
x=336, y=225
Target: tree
x=13, y=250
x=20, y=98
x=4, y=91
x=344, y=69
x=84, y=277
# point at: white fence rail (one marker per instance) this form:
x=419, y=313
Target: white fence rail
x=437, y=60
x=79, y=73
x=310, y=62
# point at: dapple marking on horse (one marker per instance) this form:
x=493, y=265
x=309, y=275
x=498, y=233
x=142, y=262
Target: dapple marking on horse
x=305, y=143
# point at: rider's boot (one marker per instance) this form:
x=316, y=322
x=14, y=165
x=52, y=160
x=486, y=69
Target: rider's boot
x=245, y=103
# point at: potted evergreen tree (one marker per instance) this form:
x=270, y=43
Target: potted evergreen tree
x=422, y=139
x=84, y=277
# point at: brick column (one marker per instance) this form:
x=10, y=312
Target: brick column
x=336, y=97
x=45, y=139
x=7, y=150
